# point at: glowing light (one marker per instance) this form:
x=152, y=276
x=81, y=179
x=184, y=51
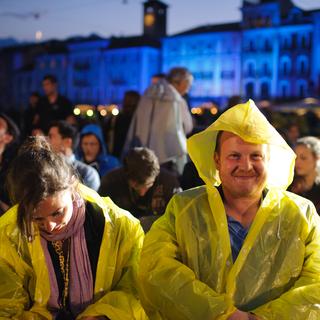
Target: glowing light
x=115, y=111
x=89, y=113
x=103, y=112
x=310, y=100
x=214, y=110
x=76, y=111
x=194, y=110
x=39, y=35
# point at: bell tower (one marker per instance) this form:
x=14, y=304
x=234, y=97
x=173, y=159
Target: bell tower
x=155, y=18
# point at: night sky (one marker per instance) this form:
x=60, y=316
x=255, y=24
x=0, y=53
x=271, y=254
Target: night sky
x=60, y=19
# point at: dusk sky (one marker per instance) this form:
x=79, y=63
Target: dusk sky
x=60, y=19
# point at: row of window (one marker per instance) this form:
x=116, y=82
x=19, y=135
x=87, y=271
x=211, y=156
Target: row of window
x=285, y=90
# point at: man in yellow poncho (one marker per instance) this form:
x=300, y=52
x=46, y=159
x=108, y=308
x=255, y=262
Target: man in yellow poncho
x=240, y=247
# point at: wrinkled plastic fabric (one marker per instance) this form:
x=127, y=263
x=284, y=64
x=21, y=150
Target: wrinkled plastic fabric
x=24, y=281
x=186, y=269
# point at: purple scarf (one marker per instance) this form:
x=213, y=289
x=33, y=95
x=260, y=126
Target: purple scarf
x=81, y=282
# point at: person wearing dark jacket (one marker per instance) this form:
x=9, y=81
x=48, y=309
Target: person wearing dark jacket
x=52, y=106
x=140, y=186
x=117, y=126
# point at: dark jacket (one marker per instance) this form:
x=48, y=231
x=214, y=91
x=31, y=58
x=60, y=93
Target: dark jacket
x=154, y=202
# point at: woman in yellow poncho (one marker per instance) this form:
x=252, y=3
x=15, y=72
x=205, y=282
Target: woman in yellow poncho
x=187, y=269
x=65, y=252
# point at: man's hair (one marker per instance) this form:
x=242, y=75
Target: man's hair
x=313, y=144
x=50, y=77
x=218, y=142
x=35, y=174
x=66, y=130
x=140, y=164
x=178, y=74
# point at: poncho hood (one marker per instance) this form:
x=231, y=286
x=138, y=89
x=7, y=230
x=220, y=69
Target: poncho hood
x=246, y=121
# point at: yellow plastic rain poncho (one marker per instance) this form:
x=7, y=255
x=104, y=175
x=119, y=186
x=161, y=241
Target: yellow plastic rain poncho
x=186, y=268
x=24, y=281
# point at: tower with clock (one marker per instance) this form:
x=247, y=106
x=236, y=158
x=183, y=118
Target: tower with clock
x=155, y=19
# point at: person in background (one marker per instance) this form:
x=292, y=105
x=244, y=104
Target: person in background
x=156, y=77
x=66, y=253
x=162, y=120
x=117, y=126
x=9, y=142
x=93, y=150
x=306, y=181
x=52, y=106
x=37, y=131
x=140, y=186
x=30, y=116
x=240, y=247
x=190, y=177
x=292, y=133
x=64, y=138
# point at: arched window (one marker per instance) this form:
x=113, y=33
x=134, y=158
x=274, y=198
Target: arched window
x=302, y=90
x=265, y=92
x=250, y=69
x=250, y=90
x=285, y=66
x=285, y=90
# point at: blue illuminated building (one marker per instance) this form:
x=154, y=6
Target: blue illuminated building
x=273, y=53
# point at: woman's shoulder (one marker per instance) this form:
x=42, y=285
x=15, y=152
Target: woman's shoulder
x=9, y=218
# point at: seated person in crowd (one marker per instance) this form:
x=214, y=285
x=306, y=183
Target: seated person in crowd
x=66, y=253
x=306, y=181
x=9, y=141
x=140, y=186
x=64, y=138
x=240, y=247
x=93, y=150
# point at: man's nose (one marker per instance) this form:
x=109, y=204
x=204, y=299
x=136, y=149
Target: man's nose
x=246, y=163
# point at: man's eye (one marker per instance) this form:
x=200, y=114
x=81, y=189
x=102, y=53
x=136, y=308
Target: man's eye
x=257, y=156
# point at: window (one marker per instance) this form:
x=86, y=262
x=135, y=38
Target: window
x=250, y=71
x=284, y=91
x=302, y=90
x=250, y=90
x=265, y=94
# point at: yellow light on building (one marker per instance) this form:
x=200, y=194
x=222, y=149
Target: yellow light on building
x=214, y=110
x=89, y=113
x=76, y=111
x=115, y=111
x=103, y=112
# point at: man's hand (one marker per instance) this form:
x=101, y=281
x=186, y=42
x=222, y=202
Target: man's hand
x=240, y=315
x=94, y=318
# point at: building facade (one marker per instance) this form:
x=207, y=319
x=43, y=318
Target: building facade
x=272, y=53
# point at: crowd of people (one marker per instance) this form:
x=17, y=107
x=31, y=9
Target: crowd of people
x=224, y=238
